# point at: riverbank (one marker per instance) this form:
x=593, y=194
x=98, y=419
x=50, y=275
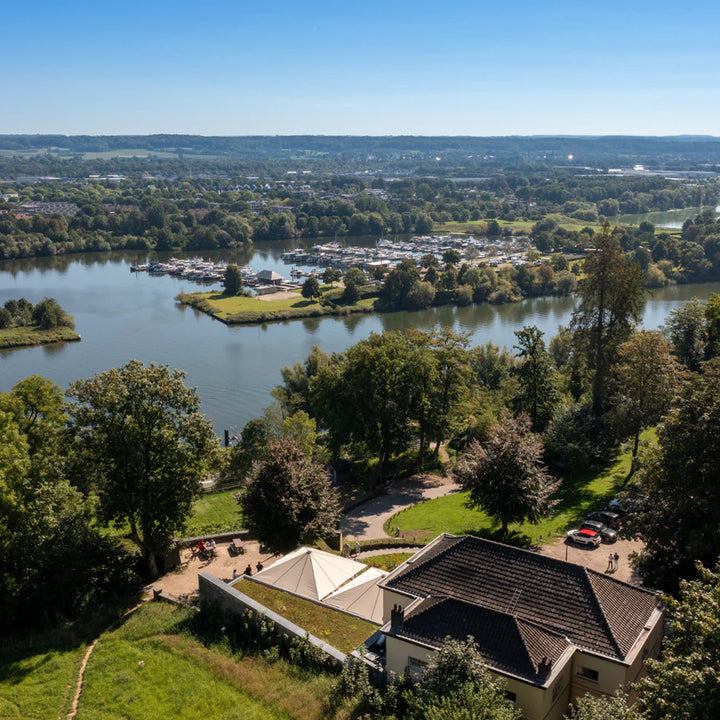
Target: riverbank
x=30, y=336
x=237, y=309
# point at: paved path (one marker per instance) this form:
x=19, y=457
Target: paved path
x=366, y=521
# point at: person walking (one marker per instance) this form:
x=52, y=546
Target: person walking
x=609, y=568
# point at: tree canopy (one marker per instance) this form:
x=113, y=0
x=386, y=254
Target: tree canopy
x=147, y=446
x=288, y=499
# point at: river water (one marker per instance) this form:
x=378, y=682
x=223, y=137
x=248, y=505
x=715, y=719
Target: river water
x=123, y=315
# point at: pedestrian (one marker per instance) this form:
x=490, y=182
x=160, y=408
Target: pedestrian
x=234, y=573
x=248, y=570
x=610, y=563
x=616, y=557
x=259, y=566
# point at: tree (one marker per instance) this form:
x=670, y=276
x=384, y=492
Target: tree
x=686, y=327
x=611, y=298
x=147, y=448
x=294, y=393
x=232, y=281
x=644, y=379
x=679, y=512
x=311, y=288
x=539, y=395
x=288, y=499
x=602, y=707
x=685, y=682
x=355, y=276
x=451, y=257
x=457, y=685
x=48, y=314
x=331, y=275
x=506, y=476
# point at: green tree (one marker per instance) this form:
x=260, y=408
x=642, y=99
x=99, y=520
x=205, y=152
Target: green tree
x=311, y=288
x=506, y=476
x=644, y=380
x=451, y=257
x=383, y=380
x=48, y=314
x=355, y=276
x=288, y=499
x=539, y=395
x=457, y=685
x=684, y=684
x=331, y=275
x=232, y=281
x=602, y=707
x=686, y=327
x=611, y=298
x=147, y=447
x=679, y=512
x=294, y=393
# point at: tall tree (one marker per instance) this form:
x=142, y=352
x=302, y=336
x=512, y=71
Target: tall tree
x=611, y=299
x=644, y=379
x=147, y=448
x=294, y=393
x=311, y=288
x=539, y=394
x=686, y=327
x=685, y=682
x=679, y=513
x=232, y=281
x=288, y=499
x=506, y=476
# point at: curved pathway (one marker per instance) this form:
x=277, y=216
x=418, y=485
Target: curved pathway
x=366, y=521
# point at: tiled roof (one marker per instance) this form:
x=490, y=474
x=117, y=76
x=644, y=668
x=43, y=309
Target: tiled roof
x=591, y=609
x=507, y=643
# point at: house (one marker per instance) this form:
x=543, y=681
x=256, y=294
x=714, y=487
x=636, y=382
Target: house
x=552, y=630
x=270, y=277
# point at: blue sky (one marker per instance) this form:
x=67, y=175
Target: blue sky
x=354, y=67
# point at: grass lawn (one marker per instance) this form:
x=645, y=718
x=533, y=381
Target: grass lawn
x=214, y=513
x=26, y=336
x=472, y=226
x=577, y=497
x=183, y=677
x=334, y=627
x=387, y=562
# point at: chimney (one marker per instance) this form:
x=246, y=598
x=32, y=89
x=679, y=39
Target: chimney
x=397, y=618
x=545, y=666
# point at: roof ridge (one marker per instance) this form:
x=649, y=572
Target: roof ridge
x=604, y=617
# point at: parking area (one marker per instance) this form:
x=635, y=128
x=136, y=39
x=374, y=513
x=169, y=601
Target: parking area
x=597, y=558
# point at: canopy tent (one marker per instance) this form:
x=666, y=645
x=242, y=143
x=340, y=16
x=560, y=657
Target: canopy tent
x=311, y=573
x=361, y=596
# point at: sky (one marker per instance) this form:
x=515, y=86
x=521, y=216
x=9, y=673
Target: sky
x=360, y=67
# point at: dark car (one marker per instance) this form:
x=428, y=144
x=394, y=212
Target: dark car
x=607, y=534
x=606, y=517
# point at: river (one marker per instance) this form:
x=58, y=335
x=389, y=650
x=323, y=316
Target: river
x=123, y=315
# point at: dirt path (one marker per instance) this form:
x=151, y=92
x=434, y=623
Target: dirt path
x=366, y=521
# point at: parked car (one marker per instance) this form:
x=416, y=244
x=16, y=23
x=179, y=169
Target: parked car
x=606, y=534
x=606, y=517
x=584, y=537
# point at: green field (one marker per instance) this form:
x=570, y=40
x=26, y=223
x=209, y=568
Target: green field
x=518, y=226
x=387, y=562
x=334, y=627
x=240, y=309
x=214, y=513
x=28, y=336
x=578, y=496
x=156, y=667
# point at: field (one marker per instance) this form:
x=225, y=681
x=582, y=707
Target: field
x=334, y=627
x=577, y=497
x=159, y=664
x=239, y=309
x=518, y=226
x=214, y=513
x=27, y=336
x=387, y=562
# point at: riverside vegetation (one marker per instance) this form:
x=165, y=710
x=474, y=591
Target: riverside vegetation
x=22, y=324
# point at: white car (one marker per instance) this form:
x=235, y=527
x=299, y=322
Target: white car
x=584, y=537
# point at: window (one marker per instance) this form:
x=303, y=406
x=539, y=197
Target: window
x=415, y=665
x=510, y=696
x=588, y=673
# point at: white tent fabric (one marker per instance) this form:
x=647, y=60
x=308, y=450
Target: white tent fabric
x=361, y=596
x=311, y=573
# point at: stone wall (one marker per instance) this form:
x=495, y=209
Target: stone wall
x=220, y=595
